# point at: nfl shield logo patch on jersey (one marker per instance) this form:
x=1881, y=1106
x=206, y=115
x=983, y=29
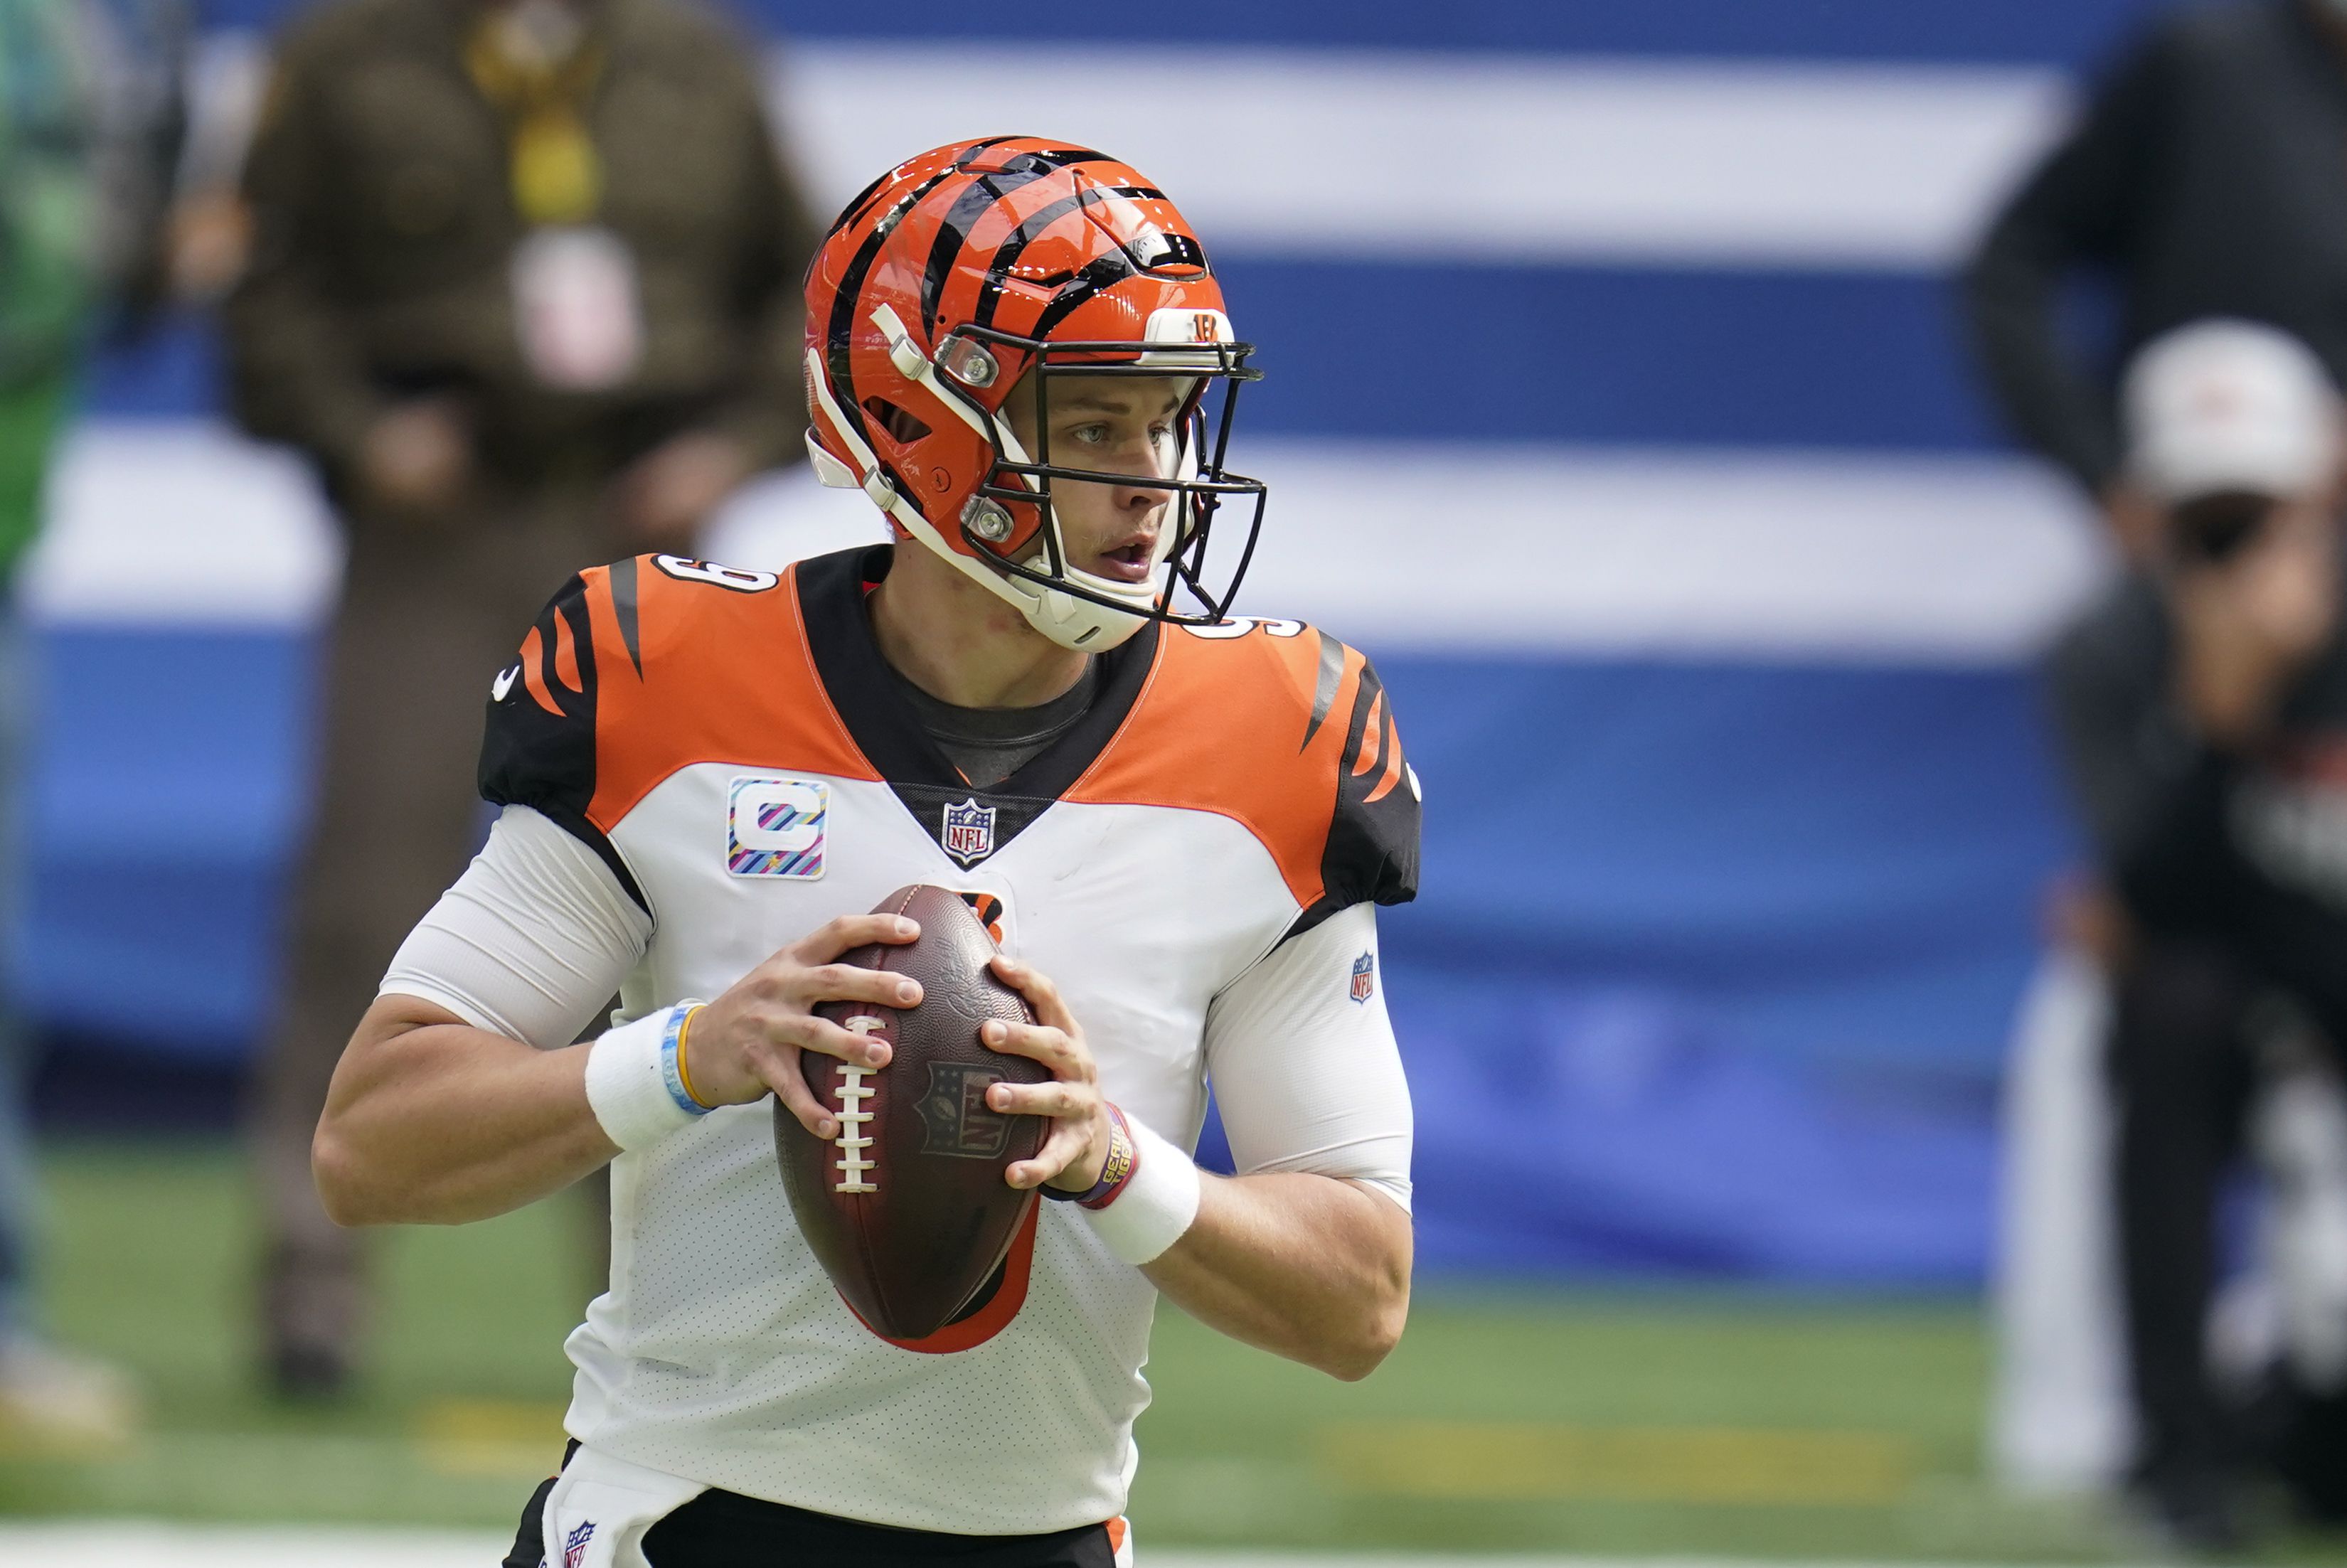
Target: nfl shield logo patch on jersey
x=968, y=834
x=1365, y=977
x=776, y=827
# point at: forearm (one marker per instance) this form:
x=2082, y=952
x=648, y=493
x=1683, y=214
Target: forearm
x=432, y=1121
x=1309, y=1267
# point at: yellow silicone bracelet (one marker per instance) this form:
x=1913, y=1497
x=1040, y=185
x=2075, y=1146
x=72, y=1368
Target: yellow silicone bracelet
x=683, y=1072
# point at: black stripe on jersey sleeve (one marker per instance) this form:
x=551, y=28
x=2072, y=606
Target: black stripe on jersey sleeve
x=538, y=746
x=1371, y=853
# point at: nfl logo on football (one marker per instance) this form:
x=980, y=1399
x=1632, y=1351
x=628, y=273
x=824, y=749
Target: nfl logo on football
x=969, y=831
x=1365, y=977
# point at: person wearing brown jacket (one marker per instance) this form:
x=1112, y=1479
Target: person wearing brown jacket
x=523, y=284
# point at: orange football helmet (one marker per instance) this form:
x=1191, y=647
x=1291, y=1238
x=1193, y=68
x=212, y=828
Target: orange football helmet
x=959, y=271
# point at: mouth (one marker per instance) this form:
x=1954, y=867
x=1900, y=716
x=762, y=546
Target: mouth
x=1128, y=562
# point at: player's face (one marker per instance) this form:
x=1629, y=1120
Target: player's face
x=1117, y=424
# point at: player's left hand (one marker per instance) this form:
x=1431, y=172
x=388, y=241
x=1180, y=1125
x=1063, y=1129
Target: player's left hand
x=1072, y=1155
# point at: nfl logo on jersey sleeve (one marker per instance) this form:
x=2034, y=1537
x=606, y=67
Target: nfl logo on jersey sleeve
x=777, y=826
x=1365, y=977
x=968, y=834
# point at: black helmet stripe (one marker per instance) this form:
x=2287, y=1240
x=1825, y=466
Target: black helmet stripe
x=962, y=217
x=990, y=297
x=855, y=208
x=1102, y=272
x=954, y=230
x=840, y=330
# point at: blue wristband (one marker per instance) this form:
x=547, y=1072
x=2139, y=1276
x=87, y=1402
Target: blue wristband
x=671, y=1074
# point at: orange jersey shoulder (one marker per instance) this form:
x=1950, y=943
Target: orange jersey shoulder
x=640, y=668
x=1287, y=730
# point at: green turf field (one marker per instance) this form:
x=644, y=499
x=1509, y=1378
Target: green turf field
x=1622, y=1423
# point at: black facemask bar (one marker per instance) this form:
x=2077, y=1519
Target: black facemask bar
x=1196, y=502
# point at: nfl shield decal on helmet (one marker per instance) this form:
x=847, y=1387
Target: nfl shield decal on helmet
x=968, y=834
x=1365, y=977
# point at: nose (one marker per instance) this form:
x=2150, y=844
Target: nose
x=1139, y=500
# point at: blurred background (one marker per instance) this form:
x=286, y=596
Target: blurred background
x=1620, y=402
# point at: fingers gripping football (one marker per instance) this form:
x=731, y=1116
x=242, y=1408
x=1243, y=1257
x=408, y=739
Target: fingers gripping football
x=1072, y=1156
x=746, y=1044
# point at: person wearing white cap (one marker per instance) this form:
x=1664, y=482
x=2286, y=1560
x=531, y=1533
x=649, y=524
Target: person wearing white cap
x=2203, y=713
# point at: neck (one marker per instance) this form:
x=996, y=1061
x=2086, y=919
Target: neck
x=961, y=644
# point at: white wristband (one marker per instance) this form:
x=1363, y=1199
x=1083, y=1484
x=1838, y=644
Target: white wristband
x=1155, y=1205
x=631, y=1081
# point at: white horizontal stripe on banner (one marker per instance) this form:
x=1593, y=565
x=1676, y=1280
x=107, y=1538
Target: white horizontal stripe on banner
x=1393, y=156
x=1374, y=155
x=180, y=522
x=1546, y=551
x=1526, y=549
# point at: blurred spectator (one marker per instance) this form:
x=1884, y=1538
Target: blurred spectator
x=2203, y=705
x=88, y=122
x=523, y=284
x=2205, y=180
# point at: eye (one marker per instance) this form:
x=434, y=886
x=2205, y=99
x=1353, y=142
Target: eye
x=1090, y=435
x=1161, y=434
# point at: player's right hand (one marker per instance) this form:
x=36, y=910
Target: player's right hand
x=746, y=1044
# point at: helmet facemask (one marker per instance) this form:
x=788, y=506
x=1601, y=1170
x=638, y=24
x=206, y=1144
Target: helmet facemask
x=1014, y=501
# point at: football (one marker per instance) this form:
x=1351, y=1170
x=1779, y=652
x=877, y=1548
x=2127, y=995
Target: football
x=906, y=1207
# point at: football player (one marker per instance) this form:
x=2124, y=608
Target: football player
x=1177, y=825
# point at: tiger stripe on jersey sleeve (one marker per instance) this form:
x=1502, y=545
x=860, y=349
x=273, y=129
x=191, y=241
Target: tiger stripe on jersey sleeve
x=1371, y=852
x=1290, y=732
x=643, y=668
x=700, y=663
x=538, y=745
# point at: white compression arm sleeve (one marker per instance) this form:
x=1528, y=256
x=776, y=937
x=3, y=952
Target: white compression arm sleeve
x=1307, y=1078
x=532, y=939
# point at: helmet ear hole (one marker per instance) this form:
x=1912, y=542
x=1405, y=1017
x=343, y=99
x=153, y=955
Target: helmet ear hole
x=902, y=425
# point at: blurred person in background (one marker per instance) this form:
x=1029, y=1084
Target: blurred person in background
x=89, y=134
x=2203, y=180
x=2203, y=710
x=523, y=284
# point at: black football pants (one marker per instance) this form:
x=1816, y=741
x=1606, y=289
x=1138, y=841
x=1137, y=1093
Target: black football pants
x=725, y=1529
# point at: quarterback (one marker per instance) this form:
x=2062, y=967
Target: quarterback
x=1176, y=825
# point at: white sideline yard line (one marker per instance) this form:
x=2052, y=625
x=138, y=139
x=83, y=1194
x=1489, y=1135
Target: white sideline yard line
x=149, y=1546
x=75, y=1544
x=1496, y=550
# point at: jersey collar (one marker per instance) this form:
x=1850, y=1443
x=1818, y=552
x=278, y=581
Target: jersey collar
x=882, y=723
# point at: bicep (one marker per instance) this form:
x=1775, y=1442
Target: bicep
x=1305, y=1067
x=532, y=939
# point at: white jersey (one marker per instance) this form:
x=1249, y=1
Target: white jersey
x=1193, y=863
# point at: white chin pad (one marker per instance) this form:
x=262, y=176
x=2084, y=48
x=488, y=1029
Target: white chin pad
x=1142, y=596
x=829, y=470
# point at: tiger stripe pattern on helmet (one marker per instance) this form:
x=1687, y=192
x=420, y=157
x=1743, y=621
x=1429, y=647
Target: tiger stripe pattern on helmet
x=1024, y=258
